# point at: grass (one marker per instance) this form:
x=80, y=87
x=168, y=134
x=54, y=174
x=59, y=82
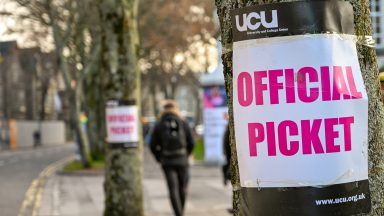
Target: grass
x=198, y=151
x=99, y=162
x=76, y=166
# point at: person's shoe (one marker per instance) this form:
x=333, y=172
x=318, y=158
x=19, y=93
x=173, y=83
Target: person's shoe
x=230, y=210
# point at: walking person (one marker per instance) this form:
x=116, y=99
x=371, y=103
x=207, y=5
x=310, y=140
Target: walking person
x=171, y=144
x=36, y=139
x=227, y=153
x=227, y=165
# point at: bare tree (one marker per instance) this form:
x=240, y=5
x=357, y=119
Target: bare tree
x=175, y=38
x=67, y=23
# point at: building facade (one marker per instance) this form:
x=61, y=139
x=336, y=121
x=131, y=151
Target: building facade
x=13, y=92
x=377, y=13
x=29, y=83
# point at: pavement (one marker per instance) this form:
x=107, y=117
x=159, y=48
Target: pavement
x=83, y=195
x=18, y=169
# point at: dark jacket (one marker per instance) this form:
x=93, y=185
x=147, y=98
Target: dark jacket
x=156, y=144
x=227, y=153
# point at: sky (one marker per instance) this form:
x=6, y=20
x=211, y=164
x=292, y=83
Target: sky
x=3, y=36
x=4, y=22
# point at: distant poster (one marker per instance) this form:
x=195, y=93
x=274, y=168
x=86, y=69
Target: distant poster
x=300, y=110
x=214, y=97
x=122, y=124
x=215, y=121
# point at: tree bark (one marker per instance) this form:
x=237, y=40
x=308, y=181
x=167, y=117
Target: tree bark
x=82, y=136
x=153, y=88
x=73, y=92
x=368, y=64
x=199, y=108
x=123, y=177
x=94, y=98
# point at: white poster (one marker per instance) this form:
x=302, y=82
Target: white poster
x=300, y=111
x=215, y=122
x=122, y=124
x=214, y=129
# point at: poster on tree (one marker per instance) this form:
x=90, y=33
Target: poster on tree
x=122, y=124
x=300, y=110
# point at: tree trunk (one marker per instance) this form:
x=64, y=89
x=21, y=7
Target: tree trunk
x=94, y=99
x=123, y=177
x=152, y=87
x=73, y=93
x=44, y=91
x=82, y=136
x=173, y=86
x=368, y=64
x=164, y=88
x=198, y=112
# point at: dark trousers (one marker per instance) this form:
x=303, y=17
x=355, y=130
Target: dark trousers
x=177, y=180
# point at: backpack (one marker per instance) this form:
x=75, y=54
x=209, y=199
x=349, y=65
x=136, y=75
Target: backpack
x=173, y=138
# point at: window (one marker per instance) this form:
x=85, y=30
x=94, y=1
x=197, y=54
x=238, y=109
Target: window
x=377, y=13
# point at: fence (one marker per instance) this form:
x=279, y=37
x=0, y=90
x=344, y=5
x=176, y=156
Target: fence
x=21, y=134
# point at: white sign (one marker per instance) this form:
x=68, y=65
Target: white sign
x=122, y=124
x=215, y=123
x=300, y=111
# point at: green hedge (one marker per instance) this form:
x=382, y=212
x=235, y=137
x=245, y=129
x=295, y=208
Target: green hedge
x=198, y=151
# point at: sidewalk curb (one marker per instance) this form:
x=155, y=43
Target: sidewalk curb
x=32, y=149
x=90, y=173
x=32, y=199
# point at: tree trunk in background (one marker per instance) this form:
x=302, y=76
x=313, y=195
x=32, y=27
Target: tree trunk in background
x=95, y=103
x=164, y=88
x=155, y=104
x=368, y=64
x=173, y=86
x=81, y=134
x=73, y=92
x=123, y=177
x=199, y=108
x=44, y=92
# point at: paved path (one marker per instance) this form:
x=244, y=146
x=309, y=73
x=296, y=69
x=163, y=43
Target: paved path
x=18, y=169
x=207, y=195
x=83, y=195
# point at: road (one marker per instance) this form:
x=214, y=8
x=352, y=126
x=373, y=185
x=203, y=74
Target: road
x=19, y=169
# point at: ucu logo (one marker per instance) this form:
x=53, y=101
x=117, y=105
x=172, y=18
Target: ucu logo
x=260, y=20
